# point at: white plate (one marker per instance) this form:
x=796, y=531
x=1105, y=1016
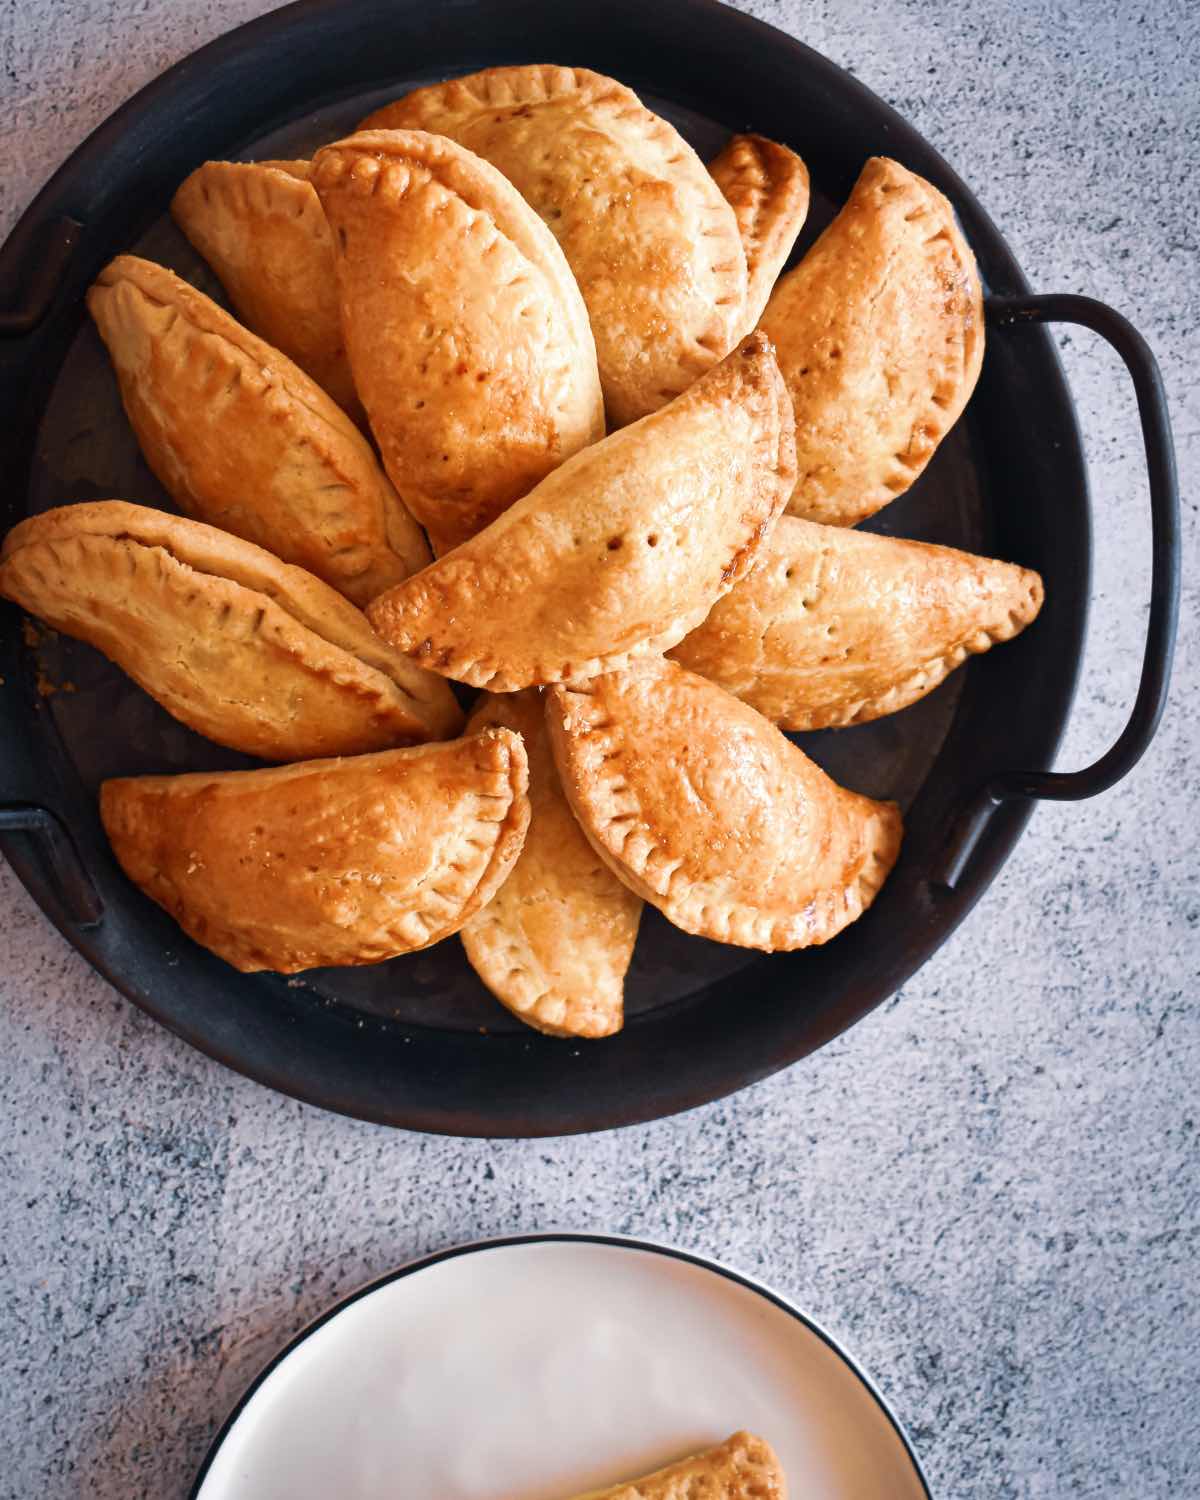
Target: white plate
x=537, y=1368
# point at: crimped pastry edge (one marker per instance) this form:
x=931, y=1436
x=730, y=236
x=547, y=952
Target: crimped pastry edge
x=650, y=871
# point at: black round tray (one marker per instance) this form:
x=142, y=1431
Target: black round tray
x=418, y=1042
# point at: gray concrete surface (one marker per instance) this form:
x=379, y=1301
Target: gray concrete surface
x=989, y=1188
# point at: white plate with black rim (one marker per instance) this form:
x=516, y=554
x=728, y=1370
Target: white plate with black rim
x=545, y=1366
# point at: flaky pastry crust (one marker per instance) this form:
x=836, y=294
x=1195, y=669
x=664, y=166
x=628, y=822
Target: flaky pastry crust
x=555, y=941
x=766, y=185
x=259, y=225
x=837, y=627
x=743, y=1467
x=879, y=331
x=348, y=861
x=617, y=554
x=241, y=647
x=469, y=340
x=242, y=438
x=704, y=808
x=652, y=242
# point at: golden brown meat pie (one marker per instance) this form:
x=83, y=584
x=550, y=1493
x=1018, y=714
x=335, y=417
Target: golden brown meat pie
x=260, y=227
x=837, y=627
x=704, y=808
x=743, y=1467
x=255, y=654
x=879, y=331
x=468, y=337
x=620, y=552
x=555, y=941
x=348, y=861
x=767, y=188
x=651, y=240
x=242, y=438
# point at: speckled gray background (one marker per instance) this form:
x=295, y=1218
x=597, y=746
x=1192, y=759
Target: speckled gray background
x=988, y=1189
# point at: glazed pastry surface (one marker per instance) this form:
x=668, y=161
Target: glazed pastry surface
x=555, y=941
x=349, y=861
x=766, y=185
x=621, y=551
x=704, y=808
x=260, y=227
x=241, y=647
x=468, y=338
x=879, y=332
x=837, y=627
x=652, y=242
x=242, y=438
x=743, y=1467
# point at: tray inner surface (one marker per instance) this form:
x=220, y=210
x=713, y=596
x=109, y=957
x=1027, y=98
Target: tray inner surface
x=109, y=727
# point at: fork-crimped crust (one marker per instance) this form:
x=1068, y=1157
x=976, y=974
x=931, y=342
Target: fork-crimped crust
x=260, y=227
x=468, y=337
x=242, y=438
x=766, y=185
x=652, y=242
x=243, y=648
x=348, y=861
x=838, y=627
x=704, y=808
x=879, y=331
x=620, y=552
x=555, y=941
x=743, y=1467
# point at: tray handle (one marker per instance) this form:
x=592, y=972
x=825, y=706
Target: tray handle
x=31, y=271
x=1133, y=740
x=72, y=883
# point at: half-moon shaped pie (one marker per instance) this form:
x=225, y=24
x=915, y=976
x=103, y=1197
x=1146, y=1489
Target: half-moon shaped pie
x=348, y=861
x=242, y=438
x=260, y=227
x=837, y=627
x=766, y=185
x=468, y=338
x=743, y=1467
x=255, y=654
x=879, y=331
x=553, y=944
x=620, y=552
x=651, y=240
x=704, y=808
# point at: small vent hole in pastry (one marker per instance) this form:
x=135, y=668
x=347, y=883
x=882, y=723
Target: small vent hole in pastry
x=342, y=238
x=615, y=543
x=789, y=574
x=652, y=540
